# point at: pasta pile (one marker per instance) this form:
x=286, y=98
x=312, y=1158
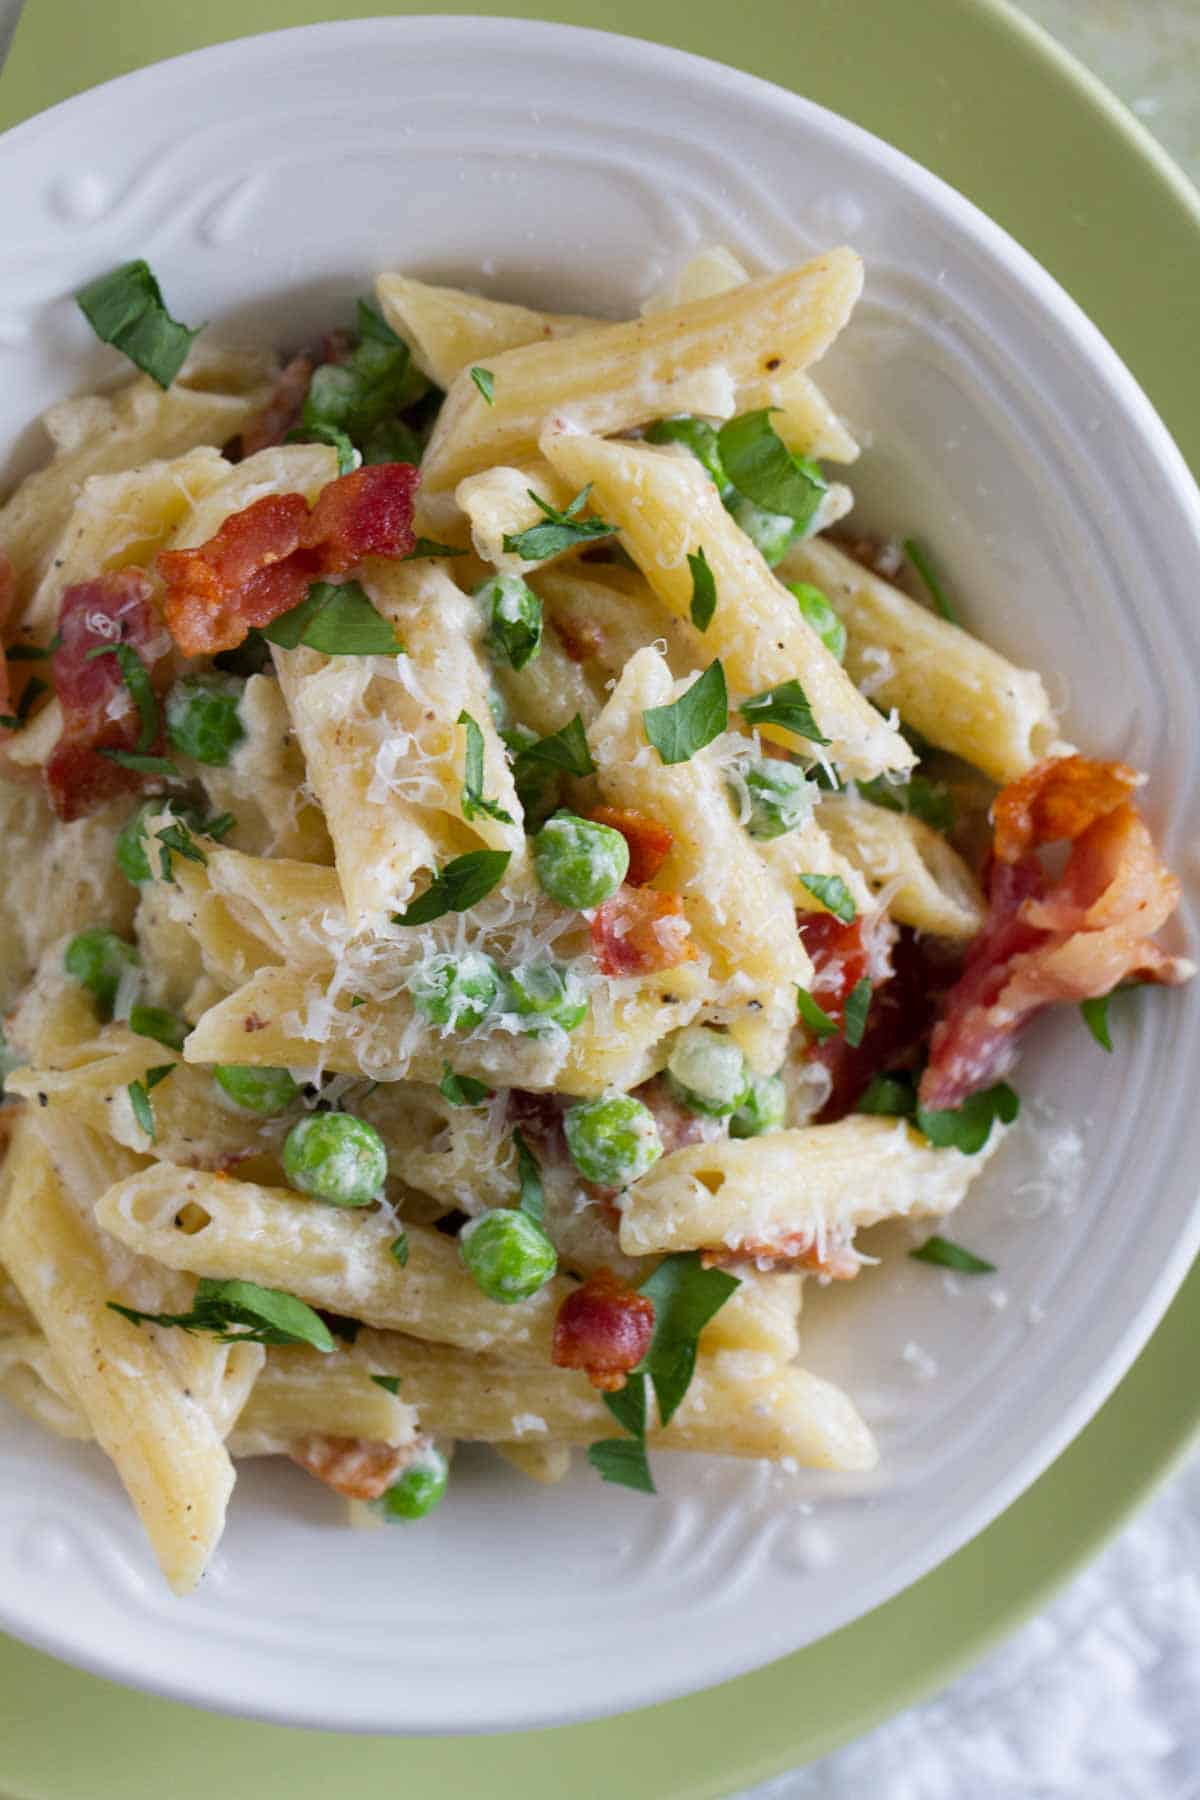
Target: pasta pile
x=496, y=896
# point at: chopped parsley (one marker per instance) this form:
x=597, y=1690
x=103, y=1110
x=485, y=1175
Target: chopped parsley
x=473, y=801
x=338, y=619
x=760, y=466
x=560, y=532
x=485, y=381
x=786, y=706
x=701, y=714
x=234, y=1311
x=924, y=568
x=125, y=309
x=833, y=894
x=945, y=1254
x=463, y=882
x=704, y=590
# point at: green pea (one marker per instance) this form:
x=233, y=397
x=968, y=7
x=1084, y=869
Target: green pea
x=132, y=854
x=706, y=1072
x=578, y=862
x=763, y=1108
x=508, y=1255
x=780, y=796
x=514, y=619
x=98, y=958
x=772, y=534
x=202, y=717
x=696, y=435
x=546, y=994
x=259, y=1090
x=337, y=1158
x=613, y=1140
x=458, y=991
x=821, y=616
x=419, y=1489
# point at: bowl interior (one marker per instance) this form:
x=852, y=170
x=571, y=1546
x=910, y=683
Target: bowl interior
x=266, y=182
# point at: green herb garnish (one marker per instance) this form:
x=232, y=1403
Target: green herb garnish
x=485, y=381
x=698, y=716
x=786, y=706
x=562, y=530
x=704, y=590
x=533, y=1194
x=968, y=1127
x=234, y=1311
x=924, y=568
x=945, y=1254
x=814, y=1016
x=760, y=466
x=854, y=1013
x=463, y=882
x=833, y=894
x=125, y=309
x=473, y=801
x=338, y=619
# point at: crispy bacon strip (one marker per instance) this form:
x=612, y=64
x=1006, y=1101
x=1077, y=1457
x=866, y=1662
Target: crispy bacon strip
x=649, y=842
x=263, y=559
x=1072, y=939
x=98, y=713
x=840, y=955
x=359, y=1468
x=1058, y=798
x=640, y=931
x=898, y=1024
x=604, y=1328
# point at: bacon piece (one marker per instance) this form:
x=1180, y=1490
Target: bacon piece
x=640, y=931
x=840, y=956
x=1044, y=941
x=281, y=414
x=790, y=1250
x=604, y=1328
x=359, y=1468
x=263, y=559
x=110, y=609
x=1058, y=798
x=899, y=1021
x=649, y=842
x=677, y=1125
x=582, y=639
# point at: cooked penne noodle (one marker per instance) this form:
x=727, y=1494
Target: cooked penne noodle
x=447, y=329
x=928, y=884
x=795, y=1192
x=943, y=682
x=668, y=510
x=698, y=357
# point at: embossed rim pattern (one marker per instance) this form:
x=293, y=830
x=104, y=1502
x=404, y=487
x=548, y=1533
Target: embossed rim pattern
x=1033, y=289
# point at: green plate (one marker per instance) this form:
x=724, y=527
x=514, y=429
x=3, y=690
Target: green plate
x=975, y=92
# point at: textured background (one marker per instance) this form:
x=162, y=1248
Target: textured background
x=1100, y=1696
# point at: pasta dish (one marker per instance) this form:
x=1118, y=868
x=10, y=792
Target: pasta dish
x=504, y=885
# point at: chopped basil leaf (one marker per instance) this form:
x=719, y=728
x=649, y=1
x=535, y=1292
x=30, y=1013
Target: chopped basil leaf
x=622, y=1460
x=854, y=1013
x=566, y=749
x=890, y=1096
x=698, y=716
x=929, y=801
x=430, y=547
x=177, y=837
x=399, y=1249
x=704, y=590
x=786, y=706
x=473, y=801
x=815, y=1017
x=337, y=619
x=389, y=1383
x=760, y=466
x=945, y=1254
x=347, y=456
x=1095, y=1017
x=628, y=1404
x=686, y=1296
x=459, y=885
x=462, y=1090
x=968, y=1127
x=533, y=1196
x=157, y=1023
x=267, y=1315
x=563, y=529
x=143, y=1112
x=27, y=653
x=220, y=827
x=136, y=677
x=125, y=309
x=833, y=893
x=924, y=568
x=144, y=765
x=358, y=396
x=158, y=1073
x=485, y=381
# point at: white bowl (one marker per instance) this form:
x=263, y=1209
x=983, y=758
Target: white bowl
x=266, y=181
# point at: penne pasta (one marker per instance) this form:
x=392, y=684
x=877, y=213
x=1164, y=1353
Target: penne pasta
x=927, y=883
